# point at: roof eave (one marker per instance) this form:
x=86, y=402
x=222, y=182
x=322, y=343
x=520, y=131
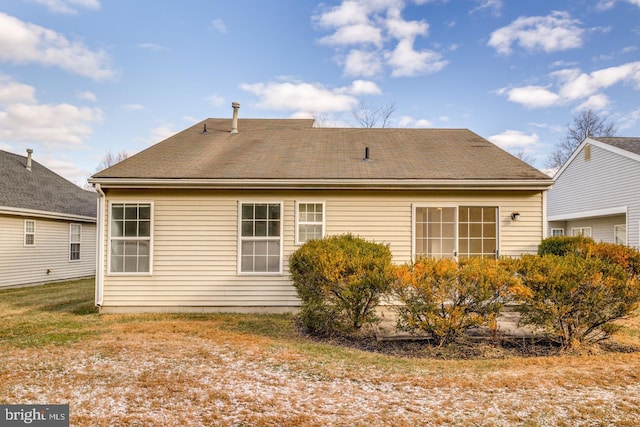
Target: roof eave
x=8, y=210
x=326, y=184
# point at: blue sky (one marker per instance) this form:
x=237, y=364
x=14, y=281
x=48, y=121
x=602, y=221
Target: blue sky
x=80, y=78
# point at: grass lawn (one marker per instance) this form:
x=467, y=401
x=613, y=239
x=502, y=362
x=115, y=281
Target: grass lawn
x=245, y=370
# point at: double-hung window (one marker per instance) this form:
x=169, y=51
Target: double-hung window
x=455, y=232
x=29, y=232
x=309, y=221
x=260, y=246
x=620, y=234
x=130, y=238
x=581, y=231
x=557, y=232
x=75, y=235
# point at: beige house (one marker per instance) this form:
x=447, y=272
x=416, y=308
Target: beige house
x=206, y=219
x=47, y=224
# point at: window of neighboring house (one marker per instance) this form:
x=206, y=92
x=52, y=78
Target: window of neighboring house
x=130, y=238
x=309, y=221
x=29, y=232
x=260, y=238
x=449, y=232
x=556, y=232
x=581, y=231
x=75, y=235
x=620, y=234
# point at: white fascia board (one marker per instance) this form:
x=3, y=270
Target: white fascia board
x=8, y=210
x=326, y=184
x=589, y=214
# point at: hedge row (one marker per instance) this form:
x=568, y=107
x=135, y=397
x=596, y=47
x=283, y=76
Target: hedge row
x=573, y=289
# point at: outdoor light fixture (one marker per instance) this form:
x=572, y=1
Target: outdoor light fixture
x=515, y=216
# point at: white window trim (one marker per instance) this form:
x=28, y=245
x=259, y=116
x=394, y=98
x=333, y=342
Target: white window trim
x=626, y=235
x=79, y=242
x=298, y=222
x=151, y=238
x=414, y=206
x=24, y=237
x=555, y=229
x=240, y=239
x=581, y=228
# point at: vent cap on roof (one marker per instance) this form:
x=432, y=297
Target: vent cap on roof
x=234, y=121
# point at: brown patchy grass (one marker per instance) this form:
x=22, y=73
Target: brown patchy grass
x=236, y=370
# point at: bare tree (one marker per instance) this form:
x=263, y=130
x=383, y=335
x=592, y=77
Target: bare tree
x=111, y=159
x=586, y=123
x=369, y=116
x=525, y=157
x=107, y=161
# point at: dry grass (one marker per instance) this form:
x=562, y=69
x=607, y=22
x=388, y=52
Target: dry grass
x=235, y=370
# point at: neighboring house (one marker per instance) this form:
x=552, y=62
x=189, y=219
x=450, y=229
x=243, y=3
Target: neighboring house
x=596, y=192
x=47, y=224
x=206, y=219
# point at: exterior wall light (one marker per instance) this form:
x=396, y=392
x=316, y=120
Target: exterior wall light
x=515, y=216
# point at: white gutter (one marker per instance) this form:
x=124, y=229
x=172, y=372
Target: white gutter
x=8, y=210
x=100, y=249
x=325, y=184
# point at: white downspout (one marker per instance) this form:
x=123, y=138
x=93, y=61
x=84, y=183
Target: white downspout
x=100, y=248
x=545, y=223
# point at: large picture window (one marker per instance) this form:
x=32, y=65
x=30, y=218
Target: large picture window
x=309, y=221
x=261, y=238
x=130, y=238
x=75, y=236
x=456, y=232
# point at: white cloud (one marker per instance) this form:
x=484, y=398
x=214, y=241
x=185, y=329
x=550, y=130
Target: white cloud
x=160, y=133
x=515, y=139
x=151, y=46
x=218, y=25
x=23, y=119
x=88, y=96
x=301, y=97
x=407, y=62
x=380, y=38
x=364, y=87
x=410, y=122
x=597, y=102
x=550, y=33
x=215, y=100
x=573, y=85
x=493, y=6
x=630, y=120
x=69, y=7
x=133, y=107
x=24, y=43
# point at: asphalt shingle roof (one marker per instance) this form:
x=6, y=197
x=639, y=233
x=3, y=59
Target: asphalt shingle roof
x=294, y=149
x=631, y=144
x=41, y=189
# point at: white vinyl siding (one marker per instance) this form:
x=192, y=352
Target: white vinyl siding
x=29, y=232
x=48, y=260
x=608, y=180
x=75, y=240
x=196, y=240
x=309, y=221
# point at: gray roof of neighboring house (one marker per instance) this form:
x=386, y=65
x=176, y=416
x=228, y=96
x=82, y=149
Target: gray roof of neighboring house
x=41, y=189
x=272, y=149
x=630, y=144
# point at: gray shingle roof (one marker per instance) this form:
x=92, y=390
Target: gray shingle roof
x=293, y=149
x=41, y=189
x=631, y=144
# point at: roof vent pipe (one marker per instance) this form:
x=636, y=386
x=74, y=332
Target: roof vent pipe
x=366, y=154
x=29, y=153
x=234, y=122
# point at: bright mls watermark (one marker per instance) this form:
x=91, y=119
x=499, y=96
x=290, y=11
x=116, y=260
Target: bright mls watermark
x=34, y=415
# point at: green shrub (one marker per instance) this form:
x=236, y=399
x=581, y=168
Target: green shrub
x=444, y=298
x=563, y=245
x=573, y=298
x=340, y=280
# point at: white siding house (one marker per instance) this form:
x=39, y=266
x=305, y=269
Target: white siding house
x=47, y=225
x=596, y=192
x=206, y=220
